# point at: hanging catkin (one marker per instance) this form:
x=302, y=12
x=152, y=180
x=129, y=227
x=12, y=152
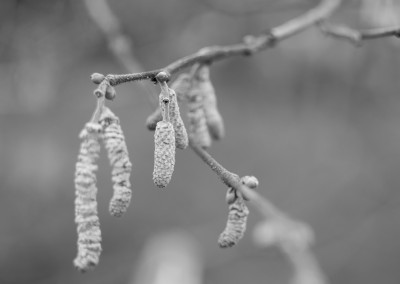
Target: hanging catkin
x=181, y=137
x=214, y=119
x=88, y=225
x=236, y=224
x=114, y=142
x=198, y=130
x=164, y=150
x=238, y=212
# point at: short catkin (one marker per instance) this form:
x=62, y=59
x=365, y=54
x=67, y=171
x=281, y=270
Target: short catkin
x=181, y=136
x=214, y=119
x=238, y=212
x=198, y=130
x=236, y=224
x=164, y=149
x=117, y=151
x=86, y=218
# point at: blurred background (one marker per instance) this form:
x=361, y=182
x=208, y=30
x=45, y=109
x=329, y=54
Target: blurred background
x=315, y=119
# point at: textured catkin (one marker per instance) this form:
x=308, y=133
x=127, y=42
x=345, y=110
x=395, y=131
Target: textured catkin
x=164, y=153
x=213, y=117
x=236, y=224
x=181, y=136
x=88, y=225
x=198, y=130
x=117, y=151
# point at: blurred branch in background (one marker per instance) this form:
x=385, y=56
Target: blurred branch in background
x=170, y=258
x=120, y=45
x=355, y=36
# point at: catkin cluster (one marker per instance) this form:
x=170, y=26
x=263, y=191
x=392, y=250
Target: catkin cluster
x=109, y=131
x=88, y=225
x=164, y=146
x=117, y=151
x=237, y=217
x=205, y=121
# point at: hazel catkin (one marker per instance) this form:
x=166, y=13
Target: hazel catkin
x=86, y=218
x=117, y=152
x=164, y=153
x=238, y=212
x=164, y=146
x=236, y=224
x=181, y=136
x=213, y=117
x=198, y=130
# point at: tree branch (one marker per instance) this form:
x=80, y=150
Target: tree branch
x=250, y=45
x=355, y=36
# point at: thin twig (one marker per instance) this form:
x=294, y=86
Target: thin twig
x=120, y=45
x=355, y=36
x=251, y=45
x=266, y=208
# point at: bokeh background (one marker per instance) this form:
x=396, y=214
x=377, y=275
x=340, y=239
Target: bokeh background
x=315, y=119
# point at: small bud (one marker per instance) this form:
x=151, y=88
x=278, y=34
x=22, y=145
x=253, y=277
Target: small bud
x=97, y=78
x=117, y=151
x=101, y=89
x=230, y=196
x=88, y=225
x=214, y=119
x=249, y=181
x=110, y=93
x=151, y=121
x=164, y=153
x=236, y=224
x=162, y=76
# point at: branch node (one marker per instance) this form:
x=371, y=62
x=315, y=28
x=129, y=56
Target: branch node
x=162, y=76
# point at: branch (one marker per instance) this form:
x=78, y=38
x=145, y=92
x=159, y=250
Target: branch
x=266, y=208
x=249, y=46
x=355, y=36
x=119, y=44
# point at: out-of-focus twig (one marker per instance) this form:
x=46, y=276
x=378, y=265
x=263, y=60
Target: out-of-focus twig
x=355, y=36
x=120, y=45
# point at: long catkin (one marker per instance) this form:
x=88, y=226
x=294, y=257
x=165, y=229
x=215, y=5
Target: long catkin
x=213, y=117
x=86, y=218
x=117, y=151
